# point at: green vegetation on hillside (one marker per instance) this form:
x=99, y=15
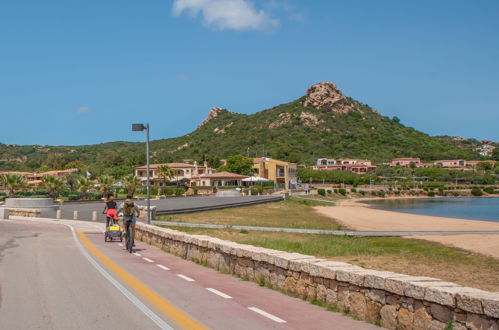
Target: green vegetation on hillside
x=289, y=132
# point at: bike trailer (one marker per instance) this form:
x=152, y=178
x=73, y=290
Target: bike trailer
x=112, y=233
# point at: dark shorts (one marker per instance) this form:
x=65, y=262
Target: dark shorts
x=131, y=218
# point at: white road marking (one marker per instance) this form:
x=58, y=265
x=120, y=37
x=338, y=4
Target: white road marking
x=270, y=316
x=162, y=267
x=185, y=278
x=137, y=254
x=221, y=294
x=148, y=260
x=120, y=244
x=136, y=301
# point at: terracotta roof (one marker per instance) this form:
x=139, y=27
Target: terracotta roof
x=15, y=172
x=449, y=160
x=172, y=165
x=223, y=175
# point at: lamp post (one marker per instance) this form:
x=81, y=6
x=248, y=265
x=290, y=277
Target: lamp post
x=140, y=128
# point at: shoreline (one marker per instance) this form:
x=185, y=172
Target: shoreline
x=355, y=215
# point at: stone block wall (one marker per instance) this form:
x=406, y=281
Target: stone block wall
x=394, y=301
x=20, y=212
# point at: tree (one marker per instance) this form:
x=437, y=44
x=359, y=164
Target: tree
x=105, y=182
x=71, y=180
x=165, y=172
x=131, y=183
x=53, y=184
x=238, y=164
x=13, y=182
x=83, y=186
x=484, y=166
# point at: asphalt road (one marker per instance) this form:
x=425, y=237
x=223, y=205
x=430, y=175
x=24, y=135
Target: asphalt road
x=169, y=204
x=52, y=279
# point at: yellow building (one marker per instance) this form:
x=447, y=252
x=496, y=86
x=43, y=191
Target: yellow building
x=281, y=172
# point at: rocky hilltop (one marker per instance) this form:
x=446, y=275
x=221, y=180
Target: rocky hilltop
x=322, y=123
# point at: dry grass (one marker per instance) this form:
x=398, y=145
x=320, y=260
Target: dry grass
x=401, y=255
x=289, y=214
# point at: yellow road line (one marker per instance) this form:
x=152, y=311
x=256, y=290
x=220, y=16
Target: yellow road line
x=179, y=317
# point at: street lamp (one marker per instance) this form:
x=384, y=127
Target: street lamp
x=140, y=128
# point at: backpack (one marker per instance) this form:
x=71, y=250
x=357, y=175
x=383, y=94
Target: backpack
x=128, y=210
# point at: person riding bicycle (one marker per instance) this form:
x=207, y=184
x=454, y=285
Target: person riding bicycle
x=130, y=213
x=110, y=210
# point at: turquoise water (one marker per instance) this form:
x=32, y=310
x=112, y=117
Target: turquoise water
x=464, y=208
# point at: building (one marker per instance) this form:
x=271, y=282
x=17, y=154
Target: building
x=35, y=179
x=282, y=173
x=218, y=179
x=455, y=163
x=359, y=166
x=183, y=172
x=406, y=162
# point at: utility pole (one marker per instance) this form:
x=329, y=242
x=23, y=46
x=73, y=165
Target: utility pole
x=138, y=128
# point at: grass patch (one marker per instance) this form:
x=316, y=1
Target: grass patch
x=401, y=255
x=292, y=213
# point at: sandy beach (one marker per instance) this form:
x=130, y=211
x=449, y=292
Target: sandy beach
x=359, y=216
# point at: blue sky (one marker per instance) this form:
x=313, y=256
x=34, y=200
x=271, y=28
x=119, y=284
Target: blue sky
x=80, y=72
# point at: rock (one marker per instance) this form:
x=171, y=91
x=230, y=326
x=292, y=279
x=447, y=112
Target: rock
x=405, y=319
x=376, y=295
x=437, y=325
x=441, y=313
x=284, y=119
x=421, y=319
x=389, y=316
x=372, y=312
x=323, y=95
x=358, y=304
x=214, y=112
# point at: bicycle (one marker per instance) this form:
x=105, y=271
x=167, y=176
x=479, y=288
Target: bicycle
x=129, y=236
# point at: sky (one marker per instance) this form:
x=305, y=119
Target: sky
x=75, y=72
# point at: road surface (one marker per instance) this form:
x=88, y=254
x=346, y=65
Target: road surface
x=171, y=204
x=52, y=278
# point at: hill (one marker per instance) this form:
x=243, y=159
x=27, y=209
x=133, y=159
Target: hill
x=323, y=123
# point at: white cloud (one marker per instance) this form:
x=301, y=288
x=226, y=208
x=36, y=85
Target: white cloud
x=84, y=110
x=226, y=14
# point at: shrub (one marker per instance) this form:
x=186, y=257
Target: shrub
x=342, y=191
x=381, y=193
x=476, y=191
x=354, y=190
x=329, y=191
x=179, y=191
x=431, y=194
x=321, y=192
x=73, y=197
x=336, y=191
x=489, y=190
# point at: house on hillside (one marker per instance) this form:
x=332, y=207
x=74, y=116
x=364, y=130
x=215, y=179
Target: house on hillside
x=359, y=166
x=406, y=162
x=182, y=172
x=454, y=163
x=281, y=172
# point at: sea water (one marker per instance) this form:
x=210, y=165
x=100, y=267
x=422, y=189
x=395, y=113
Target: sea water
x=474, y=208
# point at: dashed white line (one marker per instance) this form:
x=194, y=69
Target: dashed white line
x=268, y=315
x=148, y=260
x=221, y=294
x=137, y=254
x=163, y=267
x=188, y=279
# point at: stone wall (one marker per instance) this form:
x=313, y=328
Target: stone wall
x=24, y=212
x=394, y=301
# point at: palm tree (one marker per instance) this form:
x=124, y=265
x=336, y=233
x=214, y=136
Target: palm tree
x=165, y=172
x=105, y=182
x=83, y=186
x=13, y=182
x=53, y=184
x=131, y=183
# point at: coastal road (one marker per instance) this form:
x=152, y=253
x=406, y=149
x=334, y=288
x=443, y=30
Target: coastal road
x=54, y=278
x=168, y=205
